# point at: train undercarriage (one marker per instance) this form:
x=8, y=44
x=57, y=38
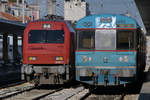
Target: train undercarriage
x=47, y=74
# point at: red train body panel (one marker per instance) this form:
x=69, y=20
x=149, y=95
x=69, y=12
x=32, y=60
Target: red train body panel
x=47, y=45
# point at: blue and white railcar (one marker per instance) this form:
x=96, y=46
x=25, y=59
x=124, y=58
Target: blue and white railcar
x=110, y=50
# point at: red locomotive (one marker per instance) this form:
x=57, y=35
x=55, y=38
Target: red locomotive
x=48, y=52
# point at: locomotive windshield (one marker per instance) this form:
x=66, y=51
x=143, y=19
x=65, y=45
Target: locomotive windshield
x=46, y=36
x=105, y=39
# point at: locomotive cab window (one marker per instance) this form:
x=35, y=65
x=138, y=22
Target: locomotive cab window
x=46, y=36
x=125, y=39
x=55, y=36
x=87, y=39
x=37, y=36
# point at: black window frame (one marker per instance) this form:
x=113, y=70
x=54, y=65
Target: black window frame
x=46, y=37
x=78, y=39
x=118, y=30
x=134, y=40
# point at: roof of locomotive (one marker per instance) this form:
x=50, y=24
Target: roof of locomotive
x=61, y=21
x=106, y=21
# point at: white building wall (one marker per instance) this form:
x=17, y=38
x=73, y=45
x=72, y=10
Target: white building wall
x=51, y=7
x=74, y=10
x=3, y=7
x=4, y=0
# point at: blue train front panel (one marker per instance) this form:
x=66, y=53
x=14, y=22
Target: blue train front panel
x=106, y=50
x=105, y=68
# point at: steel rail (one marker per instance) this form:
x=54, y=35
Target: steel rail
x=122, y=96
x=44, y=95
x=87, y=94
x=74, y=94
x=16, y=93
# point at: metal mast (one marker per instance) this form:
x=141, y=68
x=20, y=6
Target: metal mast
x=23, y=18
x=51, y=7
x=17, y=2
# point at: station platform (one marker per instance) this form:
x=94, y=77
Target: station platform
x=145, y=90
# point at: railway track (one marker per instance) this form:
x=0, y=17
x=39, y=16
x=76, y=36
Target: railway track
x=30, y=92
x=52, y=94
x=96, y=95
x=14, y=90
x=91, y=95
x=67, y=94
x=105, y=97
x=80, y=93
x=113, y=97
x=33, y=94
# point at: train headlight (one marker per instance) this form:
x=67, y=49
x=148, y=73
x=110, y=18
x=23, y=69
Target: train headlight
x=120, y=59
x=59, y=58
x=46, y=26
x=90, y=58
x=32, y=58
x=126, y=58
x=85, y=58
x=105, y=60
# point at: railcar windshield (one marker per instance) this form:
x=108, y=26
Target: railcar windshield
x=86, y=39
x=106, y=39
x=46, y=36
x=125, y=39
